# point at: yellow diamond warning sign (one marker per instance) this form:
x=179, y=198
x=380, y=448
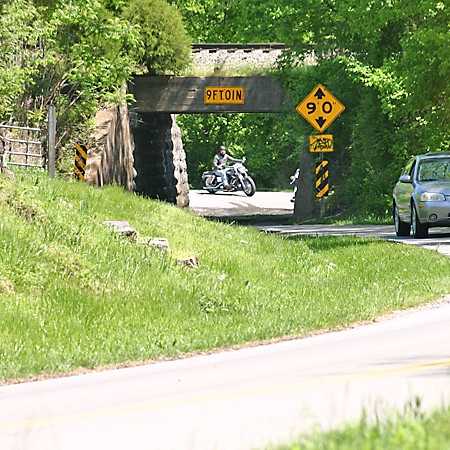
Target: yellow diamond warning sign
x=320, y=108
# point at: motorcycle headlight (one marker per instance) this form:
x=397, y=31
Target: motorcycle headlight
x=432, y=197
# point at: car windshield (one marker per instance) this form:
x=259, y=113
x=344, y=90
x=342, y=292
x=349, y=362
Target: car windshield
x=434, y=170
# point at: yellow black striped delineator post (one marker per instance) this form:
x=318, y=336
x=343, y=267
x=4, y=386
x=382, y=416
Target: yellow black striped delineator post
x=79, y=168
x=322, y=179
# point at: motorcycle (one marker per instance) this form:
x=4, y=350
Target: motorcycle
x=238, y=178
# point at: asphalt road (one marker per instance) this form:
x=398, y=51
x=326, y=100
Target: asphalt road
x=237, y=204
x=277, y=205
x=241, y=399
x=438, y=239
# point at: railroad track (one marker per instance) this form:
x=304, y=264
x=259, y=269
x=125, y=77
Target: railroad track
x=235, y=47
x=215, y=57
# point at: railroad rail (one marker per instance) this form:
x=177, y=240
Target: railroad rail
x=235, y=47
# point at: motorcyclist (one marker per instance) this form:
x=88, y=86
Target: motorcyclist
x=294, y=179
x=220, y=164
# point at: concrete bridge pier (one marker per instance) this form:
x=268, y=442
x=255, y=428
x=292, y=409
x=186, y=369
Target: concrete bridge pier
x=159, y=157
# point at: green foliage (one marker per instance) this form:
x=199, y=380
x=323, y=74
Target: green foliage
x=74, y=55
x=21, y=33
x=167, y=46
x=410, y=430
x=272, y=152
x=77, y=55
x=115, y=5
x=399, y=59
x=209, y=20
x=388, y=62
x=94, y=54
x=255, y=21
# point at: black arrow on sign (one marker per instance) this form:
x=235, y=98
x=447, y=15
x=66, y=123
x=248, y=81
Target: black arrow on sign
x=319, y=94
x=321, y=121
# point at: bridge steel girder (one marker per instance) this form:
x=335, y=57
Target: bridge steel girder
x=185, y=95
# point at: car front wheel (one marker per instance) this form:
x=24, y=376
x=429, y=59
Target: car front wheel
x=401, y=228
x=419, y=230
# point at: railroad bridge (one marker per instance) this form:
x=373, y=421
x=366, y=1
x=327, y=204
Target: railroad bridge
x=158, y=160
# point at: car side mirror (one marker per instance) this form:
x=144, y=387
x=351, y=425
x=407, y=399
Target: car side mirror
x=405, y=179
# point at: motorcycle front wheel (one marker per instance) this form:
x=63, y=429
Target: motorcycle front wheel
x=209, y=185
x=248, y=186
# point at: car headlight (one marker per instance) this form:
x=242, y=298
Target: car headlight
x=432, y=197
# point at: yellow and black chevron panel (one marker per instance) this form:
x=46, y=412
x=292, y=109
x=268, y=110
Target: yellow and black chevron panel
x=79, y=168
x=322, y=179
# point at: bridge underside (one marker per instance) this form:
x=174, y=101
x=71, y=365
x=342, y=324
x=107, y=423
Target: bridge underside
x=186, y=95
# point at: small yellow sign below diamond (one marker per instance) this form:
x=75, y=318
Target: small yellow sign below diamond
x=321, y=143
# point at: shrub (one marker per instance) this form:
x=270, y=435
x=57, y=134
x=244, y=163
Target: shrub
x=167, y=45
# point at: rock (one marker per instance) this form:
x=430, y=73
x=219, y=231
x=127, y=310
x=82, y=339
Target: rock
x=159, y=243
x=190, y=262
x=121, y=227
x=8, y=174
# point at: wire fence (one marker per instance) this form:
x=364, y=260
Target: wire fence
x=22, y=146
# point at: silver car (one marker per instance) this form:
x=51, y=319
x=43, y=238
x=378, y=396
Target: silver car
x=421, y=197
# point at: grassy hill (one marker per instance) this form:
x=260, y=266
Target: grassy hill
x=73, y=294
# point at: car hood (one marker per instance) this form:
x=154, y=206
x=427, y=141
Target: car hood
x=440, y=187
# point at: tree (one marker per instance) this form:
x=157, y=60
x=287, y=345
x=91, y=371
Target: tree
x=167, y=46
x=74, y=55
x=22, y=35
x=77, y=56
x=388, y=62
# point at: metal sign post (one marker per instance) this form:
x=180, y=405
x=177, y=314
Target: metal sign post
x=51, y=141
x=320, y=108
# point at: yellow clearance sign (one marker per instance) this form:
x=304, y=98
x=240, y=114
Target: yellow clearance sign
x=215, y=95
x=320, y=108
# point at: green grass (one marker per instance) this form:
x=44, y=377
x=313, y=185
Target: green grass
x=412, y=430
x=73, y=294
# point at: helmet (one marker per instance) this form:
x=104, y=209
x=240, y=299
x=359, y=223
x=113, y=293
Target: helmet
x=222, y=148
